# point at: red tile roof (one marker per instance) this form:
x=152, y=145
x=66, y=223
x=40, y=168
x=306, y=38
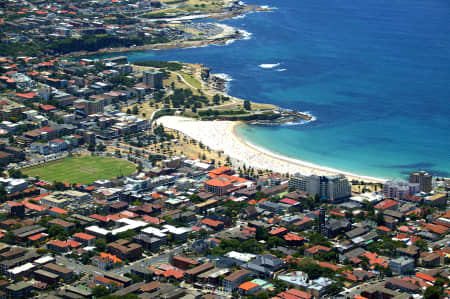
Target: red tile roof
x=84, y=236
x=289, y=201
x=386, y=204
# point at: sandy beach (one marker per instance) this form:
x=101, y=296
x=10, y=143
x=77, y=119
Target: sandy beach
x=220, y=135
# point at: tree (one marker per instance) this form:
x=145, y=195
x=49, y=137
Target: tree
x=100, y=244
x=216, y=99
x=135, y=110
x=380, y=218
x=422, y=245
x=128, y=111
x=433, y=292
x=2, y=194
x=261, y=233
x=55, y=230
x=247, y=105
x=100, y=291
x=101, y=147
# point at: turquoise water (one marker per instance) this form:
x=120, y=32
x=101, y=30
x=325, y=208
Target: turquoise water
x=376, y=74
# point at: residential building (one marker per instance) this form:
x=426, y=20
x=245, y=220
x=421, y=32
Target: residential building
x=264, y=266
x=63, y=272
x=424, y=180
x=333, y=188
x=85, y=239
x=125, y=250
x=231, y=282
x=437, y=200
x=399, y=189
x=401, y=265
x=20, y=289
x=183, y=262
x=153, y=79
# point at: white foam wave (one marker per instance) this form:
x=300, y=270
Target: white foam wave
x=281, y=70
x=246, y=35
x=224, y=76
x=239, y=17
x=269, y=65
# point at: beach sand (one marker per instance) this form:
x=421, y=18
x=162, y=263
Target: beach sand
x=220, y=135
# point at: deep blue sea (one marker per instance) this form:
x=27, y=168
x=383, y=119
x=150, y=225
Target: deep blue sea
x=375, y=74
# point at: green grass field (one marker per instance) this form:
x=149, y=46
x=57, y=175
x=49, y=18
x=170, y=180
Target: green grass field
x=83, y=170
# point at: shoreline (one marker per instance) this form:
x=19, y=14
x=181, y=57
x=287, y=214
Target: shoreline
x=221, y=136
x=220, y=39
x=165, y=46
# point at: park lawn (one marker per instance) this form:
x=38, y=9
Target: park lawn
x=81, y=170
x=191, y=80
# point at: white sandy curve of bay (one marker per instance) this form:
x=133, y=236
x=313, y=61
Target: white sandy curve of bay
x=219, y=135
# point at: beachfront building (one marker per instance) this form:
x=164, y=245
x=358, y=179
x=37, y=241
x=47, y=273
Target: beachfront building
x=399, y=189
x=424, y=180
x=331, y=188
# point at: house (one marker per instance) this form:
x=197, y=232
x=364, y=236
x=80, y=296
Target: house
x=335, y=227
x=63, y=272
x=293, y=239
x=105, y=261
x=67, y=226
x=410, y=251
x=431, y=260
x=57, y=145
x=45, y=276
x=279, y=232
x=294, y=294
x=264, y=266
x=402, y=265
x=231, y=282
x=402, y=285
x=191, y=275
x=316, y=249
x=387, y=204
x=62, y=246
x=85, y=239
x=148, y=242
x=248, y=287
x=214, y=224
x=183, y=262
x=125, y=250
x=20, y=289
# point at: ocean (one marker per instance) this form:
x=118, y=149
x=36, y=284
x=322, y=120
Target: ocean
x=375, y=74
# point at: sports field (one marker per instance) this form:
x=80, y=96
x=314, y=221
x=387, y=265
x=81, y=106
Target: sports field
x=82, y=170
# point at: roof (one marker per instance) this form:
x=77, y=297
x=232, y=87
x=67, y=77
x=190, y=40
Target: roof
x=218, y=183
x=84, y=236
x=289, y=201
x=247, y=286
x=219, y=171
x=386, y=204
x=238, y=274
x=438, y=229
x=112, y=257
x=425, y=277
x=293, y=237
x=211, y=222
x=318, y=248
x=58, y=210
x=278, y=231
